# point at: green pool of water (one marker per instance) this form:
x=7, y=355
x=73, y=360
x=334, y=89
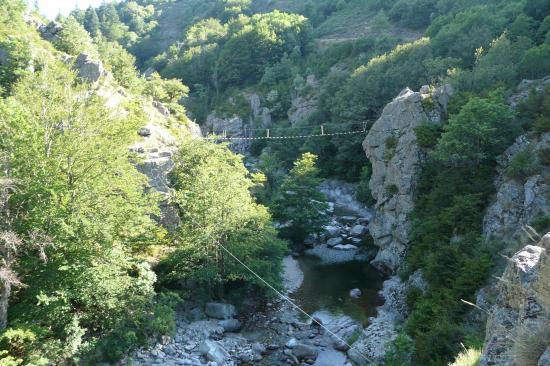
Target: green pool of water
x=326, y=287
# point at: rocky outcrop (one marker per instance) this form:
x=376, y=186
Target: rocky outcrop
x=304, y=102
x=89, y=69
x=384, y=328
x=519, y=200
x=396, y=162
x=50, y=32
x=238, y=126
x=156, y=148
x=518, y=325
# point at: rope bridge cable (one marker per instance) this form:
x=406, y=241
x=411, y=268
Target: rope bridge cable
x=268, y=135
x=286, y=298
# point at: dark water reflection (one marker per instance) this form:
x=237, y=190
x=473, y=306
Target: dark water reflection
x=326, y=287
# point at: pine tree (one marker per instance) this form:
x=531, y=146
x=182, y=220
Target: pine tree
x=91, y=22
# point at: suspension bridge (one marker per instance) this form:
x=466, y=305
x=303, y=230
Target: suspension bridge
x=288, y=133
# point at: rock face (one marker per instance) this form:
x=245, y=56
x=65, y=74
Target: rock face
x=303, y=103
x=50, y=31
x=518, y=330
x=396, y=162
x=156, y=149
x=518, y=201
x=238, y=126
x=89, y=69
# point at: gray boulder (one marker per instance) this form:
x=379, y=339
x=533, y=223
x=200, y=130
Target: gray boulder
x=332, y=231
x=334, y=241
x=89, y=69
x=345, y=247
x=330, y=358
x=230, y=325
x=355, y=293
x=161, y=108
x=359, y=230
x=214, y=351
x=305, y=351
x=50, y=32
x=220, y=311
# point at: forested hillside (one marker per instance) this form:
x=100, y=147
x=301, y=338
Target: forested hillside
x=99, y=150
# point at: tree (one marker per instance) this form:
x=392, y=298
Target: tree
x=73, y=38
x=477, y=134
x=91, y=22
x=75, y=183
x=298, y=204
x=535, y=62
x=212, y=194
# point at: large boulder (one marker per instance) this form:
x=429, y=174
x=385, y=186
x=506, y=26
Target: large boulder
x=396, y=162
x=219, y=310
x=230, y=325
x=214, y=351
x=89, y=69
x=50, y=31
x=305, y=351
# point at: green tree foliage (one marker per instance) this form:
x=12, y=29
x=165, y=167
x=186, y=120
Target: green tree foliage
x=476, y=135
x=73, y=38
x=91, y=22
x=461, y=34
x=535, y=62
x=216, y=208
x=455, y=186
x=298, y=205
x=67, y=155
x=413, y=14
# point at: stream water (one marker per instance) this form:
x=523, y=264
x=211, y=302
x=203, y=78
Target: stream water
x=326, y=287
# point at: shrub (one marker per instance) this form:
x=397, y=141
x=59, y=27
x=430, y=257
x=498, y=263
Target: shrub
x=468, y=357
x=392, y=190
x=524, y=164
x=427, y=135
x=530, y=344
x=364, y=194
x=541, y=223
x=542, y=124
x=544, y=155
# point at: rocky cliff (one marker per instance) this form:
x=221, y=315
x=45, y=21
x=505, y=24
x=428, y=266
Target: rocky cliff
x=518, y=325
x=396, y=161
x=517, y=304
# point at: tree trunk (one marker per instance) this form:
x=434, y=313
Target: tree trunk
x=5, y=291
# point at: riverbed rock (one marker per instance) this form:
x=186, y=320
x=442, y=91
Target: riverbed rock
x=334, y=241
x=230, y=325
x=332, y=230
x=358, y=230
x=305, y=351
x=396, y=162
x=345, y=247
x=355, y=293
x=219, y=310
x=330, y=358
x=292, y=342
x=214, y=351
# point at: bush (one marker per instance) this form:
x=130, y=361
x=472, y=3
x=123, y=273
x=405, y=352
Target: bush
x=427, y=135
x=468, y=357
x=541, y=223
x=392, y=190
x=364, y=194
x=544, y=155
x=542, y=124
x=523, y=165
